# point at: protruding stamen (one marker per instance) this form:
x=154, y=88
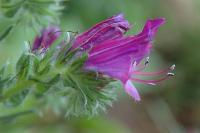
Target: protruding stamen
x=171, y=68
x=153, y=82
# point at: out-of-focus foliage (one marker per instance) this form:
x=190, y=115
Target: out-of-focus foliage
x=28, y=13
x=55, y=124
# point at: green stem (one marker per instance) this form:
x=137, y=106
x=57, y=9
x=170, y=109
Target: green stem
x=18, y=87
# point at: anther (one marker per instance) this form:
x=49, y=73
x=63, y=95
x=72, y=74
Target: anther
x=172, y=67
x=147, y=61
x=170, y=74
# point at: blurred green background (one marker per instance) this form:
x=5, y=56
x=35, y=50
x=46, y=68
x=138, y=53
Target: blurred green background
x=171, y=107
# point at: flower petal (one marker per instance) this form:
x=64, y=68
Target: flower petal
x=111, y=28
x=124, y=47
x=131, y=90
x=117, y=68
x=37, y=43
x=137, y=46
x=47, y=37
x=151, y=26
x=50, y=35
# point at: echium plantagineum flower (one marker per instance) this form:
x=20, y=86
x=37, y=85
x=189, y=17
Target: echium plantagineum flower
x=47, y=37
x=118, y=56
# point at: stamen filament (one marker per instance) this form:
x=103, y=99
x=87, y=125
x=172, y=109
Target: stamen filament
x=154, y=73
x=153, y=82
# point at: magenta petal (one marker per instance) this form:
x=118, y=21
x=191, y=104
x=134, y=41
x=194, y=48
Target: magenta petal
x=37, y=43
x=131, y=90
x=117, y=68
x=137, y=46
x=50, y=35
x=119, y=54
x=47, y=38
x=124, y=47
x=108, y=29
x=151, y=26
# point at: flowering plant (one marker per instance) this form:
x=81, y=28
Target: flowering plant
x=78, y=71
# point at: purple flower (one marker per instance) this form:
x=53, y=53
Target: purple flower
x=109, y=29
x=119, y=56
x=47, y=38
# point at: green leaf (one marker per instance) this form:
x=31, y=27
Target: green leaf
x=22, y=66
x=6, y=32
x=11, y=12
x=16, y=99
